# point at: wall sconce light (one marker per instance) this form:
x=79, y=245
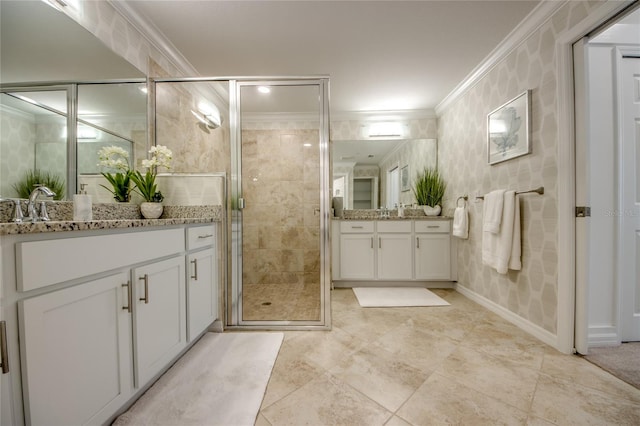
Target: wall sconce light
x=209, y=121
x=385, y=130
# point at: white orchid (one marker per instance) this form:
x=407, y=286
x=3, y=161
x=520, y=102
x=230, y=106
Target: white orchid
x=113, y=157
x=160, y=156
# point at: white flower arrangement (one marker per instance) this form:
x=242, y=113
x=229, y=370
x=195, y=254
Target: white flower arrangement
x=116, y=158
x=160, y=156
x=113, y=157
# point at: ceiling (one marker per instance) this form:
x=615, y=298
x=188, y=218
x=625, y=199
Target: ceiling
x=379, y=55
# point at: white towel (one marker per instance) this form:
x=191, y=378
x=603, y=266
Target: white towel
x=502, y=250
x=461, y=222
x=492, y=211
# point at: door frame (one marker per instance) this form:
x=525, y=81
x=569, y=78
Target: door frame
x=567, y=284
x=234, y=310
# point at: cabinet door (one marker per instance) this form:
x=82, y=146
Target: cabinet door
x=76, y=352
x=202, y=291
x=160, y=317
x=394, y=257
x=433, y=256
x=357, y=257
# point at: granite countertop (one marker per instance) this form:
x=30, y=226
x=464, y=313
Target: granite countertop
x=109, y=216
x=409, y=214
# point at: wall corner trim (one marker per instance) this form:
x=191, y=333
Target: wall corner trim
x=154, y=36
x=534, y=20
x=522, y=323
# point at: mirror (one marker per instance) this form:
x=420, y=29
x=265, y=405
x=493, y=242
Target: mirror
x=40, y=44
x=371, y=173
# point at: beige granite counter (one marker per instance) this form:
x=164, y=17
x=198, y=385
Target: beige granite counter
x=409, y=214
x=107, y=216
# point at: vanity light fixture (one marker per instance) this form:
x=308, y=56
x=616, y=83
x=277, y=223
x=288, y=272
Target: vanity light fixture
x=210, y=121
x=385, y=130
x=306, y=144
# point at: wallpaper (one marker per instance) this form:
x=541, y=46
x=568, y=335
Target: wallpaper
x=15, y=158
x=462, y=128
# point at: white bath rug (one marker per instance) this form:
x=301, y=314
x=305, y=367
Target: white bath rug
x=382, y=297
x=220, y=381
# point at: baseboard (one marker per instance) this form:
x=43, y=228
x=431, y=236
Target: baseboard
x=526, y=325
x=423, y=284
x=603, y=336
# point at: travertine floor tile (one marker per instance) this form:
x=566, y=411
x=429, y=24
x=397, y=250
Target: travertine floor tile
x=567, y=403
x=326, y=401
x=441, y=401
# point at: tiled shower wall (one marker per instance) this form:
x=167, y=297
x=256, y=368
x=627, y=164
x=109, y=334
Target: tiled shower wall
x=462, y=128
x=281, y=224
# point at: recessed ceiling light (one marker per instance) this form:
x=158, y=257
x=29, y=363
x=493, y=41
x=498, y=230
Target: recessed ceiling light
x=306, y=144
x=264, y=89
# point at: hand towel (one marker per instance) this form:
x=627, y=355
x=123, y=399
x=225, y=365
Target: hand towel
x=461, y=222
x=502, y=250
x=492, y=211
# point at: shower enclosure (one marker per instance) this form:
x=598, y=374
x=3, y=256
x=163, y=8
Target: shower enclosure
x=270, y=137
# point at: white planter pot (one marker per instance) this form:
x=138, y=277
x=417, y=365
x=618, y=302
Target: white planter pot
x=432, y=211
x=151, y=210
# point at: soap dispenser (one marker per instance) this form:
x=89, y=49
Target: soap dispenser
x=82, y=208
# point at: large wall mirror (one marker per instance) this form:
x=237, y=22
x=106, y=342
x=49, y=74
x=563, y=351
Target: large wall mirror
x=373, y=173
x=40, y=48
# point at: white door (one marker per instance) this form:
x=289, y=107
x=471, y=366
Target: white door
x=203, y=291
x=160, y=317
x=433, y=259
x=394, y=257
x=75, y=347
x=629, y=90
x=357, y=257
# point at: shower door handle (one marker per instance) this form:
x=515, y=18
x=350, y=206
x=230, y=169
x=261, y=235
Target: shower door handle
x=240, y=203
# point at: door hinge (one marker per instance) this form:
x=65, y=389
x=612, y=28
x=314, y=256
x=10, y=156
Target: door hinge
x=583, y=211
x=4, y=359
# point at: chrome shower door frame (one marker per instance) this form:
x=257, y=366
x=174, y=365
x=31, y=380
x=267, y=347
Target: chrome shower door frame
x=235, y=293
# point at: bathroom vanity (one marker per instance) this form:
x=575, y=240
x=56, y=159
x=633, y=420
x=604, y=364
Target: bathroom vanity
x=393, y=251
x=95, y=312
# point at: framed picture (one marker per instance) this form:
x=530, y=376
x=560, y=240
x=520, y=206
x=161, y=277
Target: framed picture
x=508, y=129
x=404, y=178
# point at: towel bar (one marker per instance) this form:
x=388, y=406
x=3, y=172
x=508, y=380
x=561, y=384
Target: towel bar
x=537, y=191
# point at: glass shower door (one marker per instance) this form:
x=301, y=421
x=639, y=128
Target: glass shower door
x=281, y=188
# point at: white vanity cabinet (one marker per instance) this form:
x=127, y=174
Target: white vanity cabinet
x=394, y=250
x=432, y=250
x=202, y=279
x=357, y=250
x=97, y=316
x=160, y=315
x=77, y=352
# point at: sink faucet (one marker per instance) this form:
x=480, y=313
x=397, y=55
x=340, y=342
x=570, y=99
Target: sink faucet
x=31, y=206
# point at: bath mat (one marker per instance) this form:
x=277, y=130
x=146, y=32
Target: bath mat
x=220, y=381
x=382, y=297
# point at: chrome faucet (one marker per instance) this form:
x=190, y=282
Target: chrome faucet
x=31, y=206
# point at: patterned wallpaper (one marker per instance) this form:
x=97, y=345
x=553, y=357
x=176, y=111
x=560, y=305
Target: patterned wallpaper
x=15, y=158
x=532, y=292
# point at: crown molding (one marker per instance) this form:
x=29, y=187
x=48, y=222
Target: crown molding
x=398, y=115
x=154, y=36
x=532, y=22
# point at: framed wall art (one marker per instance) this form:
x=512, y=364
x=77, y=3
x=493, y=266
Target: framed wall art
x=404, y=178
x=508, y=129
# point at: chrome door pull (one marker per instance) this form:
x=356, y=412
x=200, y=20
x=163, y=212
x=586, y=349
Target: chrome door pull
x=417, y=242
x=4, y=359
x=195, y=269
x=128, y=286
x=379, y=242
x=146, y=288
x=371, y=242
x=205, y=236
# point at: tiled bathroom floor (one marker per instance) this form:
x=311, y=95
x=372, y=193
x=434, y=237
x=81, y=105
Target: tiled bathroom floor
x=458, y=364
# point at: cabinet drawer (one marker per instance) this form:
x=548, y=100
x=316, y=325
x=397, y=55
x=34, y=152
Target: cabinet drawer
x=356, y=227
x=43, y=263
x=433, y=226
x=200, y=236
x=394, y=226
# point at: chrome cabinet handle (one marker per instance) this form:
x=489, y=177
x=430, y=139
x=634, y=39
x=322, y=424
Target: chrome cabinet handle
x=205, y=236
x=129, y=296
x=195, y=269
x=433, y=226
x=417, y=242
x=371, y=242
x=4, y=358
x=379, y=242
x=146, y=288
x=357, y=227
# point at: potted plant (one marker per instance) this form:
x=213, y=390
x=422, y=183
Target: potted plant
x=31, y=178
x=117, y=160
x=429, y=188
x=159, y=156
